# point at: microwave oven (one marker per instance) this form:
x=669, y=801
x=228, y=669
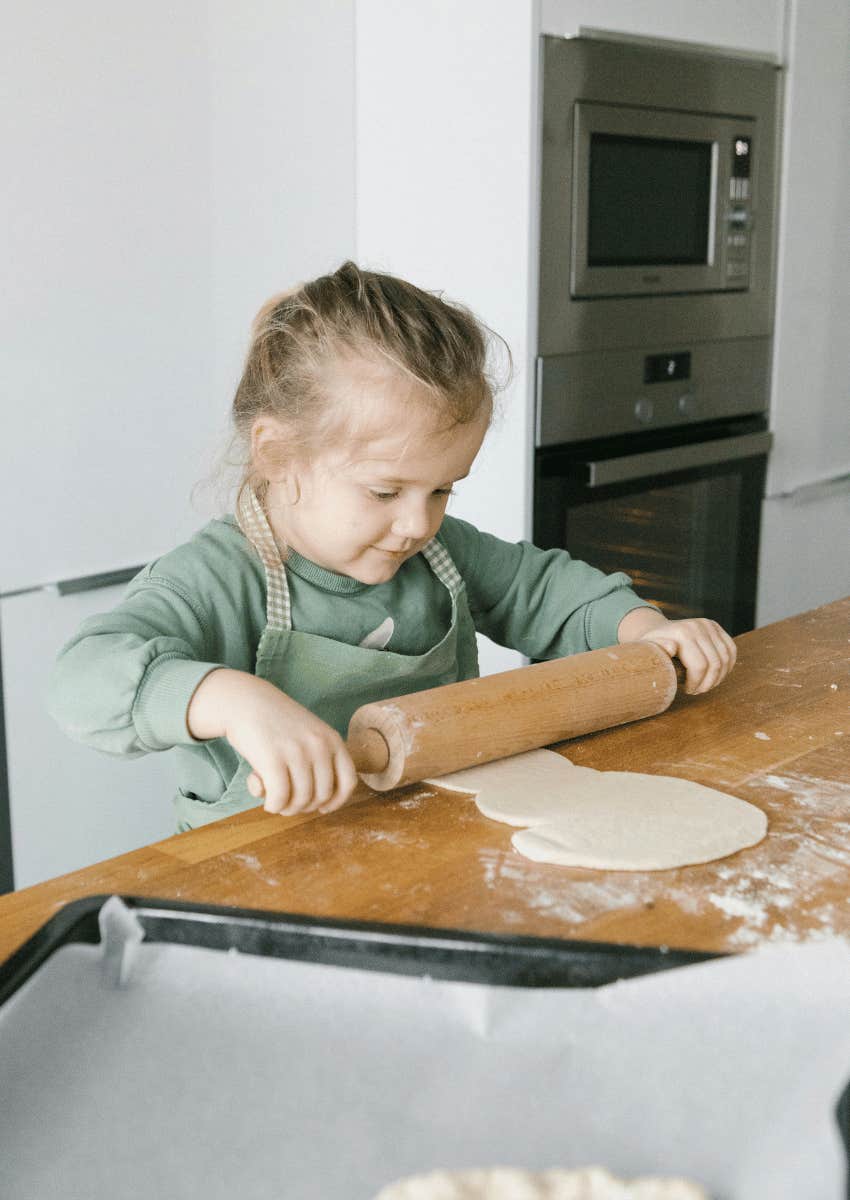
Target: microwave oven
x=657, y=195
x=662, y=201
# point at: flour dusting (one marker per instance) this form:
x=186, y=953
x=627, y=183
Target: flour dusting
x=250, y=860
x=253, y=863
x=578, y=901
x=406, y=729
x=382, y=835
x=782, y=890
x=415, y=801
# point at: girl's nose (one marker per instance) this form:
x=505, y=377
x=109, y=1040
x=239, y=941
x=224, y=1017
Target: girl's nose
x=412, y=522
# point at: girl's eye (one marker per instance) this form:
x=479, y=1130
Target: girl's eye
x=376, y=495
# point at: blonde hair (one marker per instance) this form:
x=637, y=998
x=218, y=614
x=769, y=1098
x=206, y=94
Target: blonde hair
x=299, y=334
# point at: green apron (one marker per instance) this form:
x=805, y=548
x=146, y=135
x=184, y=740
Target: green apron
x=330, y=678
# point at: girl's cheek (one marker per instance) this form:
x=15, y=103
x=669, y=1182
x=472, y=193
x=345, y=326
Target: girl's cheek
x=355, y=519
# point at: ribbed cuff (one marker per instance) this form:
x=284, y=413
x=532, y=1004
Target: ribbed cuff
x=162, y=701
x=605, y=614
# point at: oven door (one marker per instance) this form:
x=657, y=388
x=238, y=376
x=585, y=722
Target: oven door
x=681, y=517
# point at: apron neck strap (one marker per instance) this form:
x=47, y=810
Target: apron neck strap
x=254, y=524
x=440, y=562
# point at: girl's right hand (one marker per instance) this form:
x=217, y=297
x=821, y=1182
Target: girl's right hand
x=300, y=764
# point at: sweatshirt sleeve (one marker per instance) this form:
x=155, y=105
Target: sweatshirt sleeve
x=543, y=603
x=123, y=682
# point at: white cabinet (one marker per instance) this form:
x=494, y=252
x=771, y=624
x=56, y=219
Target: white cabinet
x=805, y=552
x=752, y=28
x=70, y=806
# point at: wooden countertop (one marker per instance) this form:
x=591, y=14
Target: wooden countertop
x=776, y=733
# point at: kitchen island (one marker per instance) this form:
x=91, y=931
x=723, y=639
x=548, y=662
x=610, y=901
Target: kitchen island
x=775, y=733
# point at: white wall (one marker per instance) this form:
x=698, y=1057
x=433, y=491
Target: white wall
x=281, y=132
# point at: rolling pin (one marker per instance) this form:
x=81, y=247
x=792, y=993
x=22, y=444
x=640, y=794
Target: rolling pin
x=431, y=733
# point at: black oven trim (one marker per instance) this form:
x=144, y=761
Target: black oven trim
x=553, y=460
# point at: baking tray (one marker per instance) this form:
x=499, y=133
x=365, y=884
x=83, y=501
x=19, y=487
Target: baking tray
x=496, y=959
x=474, y=1009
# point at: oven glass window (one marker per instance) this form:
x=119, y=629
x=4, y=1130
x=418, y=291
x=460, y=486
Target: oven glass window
x=679, y=543
x=649, y=201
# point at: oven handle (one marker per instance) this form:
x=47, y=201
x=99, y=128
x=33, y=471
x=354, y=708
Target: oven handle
x=678, y=458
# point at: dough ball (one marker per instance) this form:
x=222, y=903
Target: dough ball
x=507, y=1183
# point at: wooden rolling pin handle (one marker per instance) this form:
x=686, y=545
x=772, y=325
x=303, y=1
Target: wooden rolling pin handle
x=369, y=751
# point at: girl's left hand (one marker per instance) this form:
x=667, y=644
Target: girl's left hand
x=703, y=647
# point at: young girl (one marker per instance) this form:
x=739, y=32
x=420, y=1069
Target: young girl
x=340, y=580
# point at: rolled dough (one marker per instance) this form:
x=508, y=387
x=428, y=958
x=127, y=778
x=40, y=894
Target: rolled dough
x=610, y=820
x=506, y=1183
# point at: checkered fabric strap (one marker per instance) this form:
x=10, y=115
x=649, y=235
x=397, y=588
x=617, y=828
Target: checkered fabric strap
x=439, y=560
x=254, y=524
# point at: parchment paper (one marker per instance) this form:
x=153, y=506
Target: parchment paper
x=184, y=1072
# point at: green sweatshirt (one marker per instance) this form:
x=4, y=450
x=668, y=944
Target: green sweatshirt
x=123, y=683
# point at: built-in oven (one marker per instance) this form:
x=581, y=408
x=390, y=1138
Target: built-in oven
x=655, y=317
x=679, y=511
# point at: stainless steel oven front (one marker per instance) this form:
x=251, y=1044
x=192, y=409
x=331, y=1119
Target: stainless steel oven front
x=655, y=321
x=658, y=195
x=679, y=511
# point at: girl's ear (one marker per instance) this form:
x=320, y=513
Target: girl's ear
x=269, y=441
x=268, y=448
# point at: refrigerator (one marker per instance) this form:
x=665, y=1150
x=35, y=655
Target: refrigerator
x=107, y=412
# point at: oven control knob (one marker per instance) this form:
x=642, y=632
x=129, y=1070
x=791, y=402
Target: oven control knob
x=687, y=404
x=644, y=410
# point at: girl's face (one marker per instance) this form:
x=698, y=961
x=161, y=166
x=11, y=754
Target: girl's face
x=362, y=508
